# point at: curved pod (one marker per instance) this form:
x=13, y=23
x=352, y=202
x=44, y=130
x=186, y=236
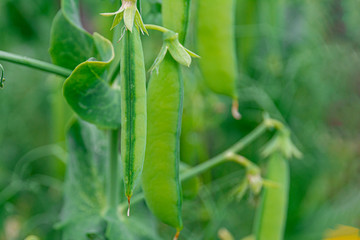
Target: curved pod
x=271, y=215
x=133, y=109
x=160, y=179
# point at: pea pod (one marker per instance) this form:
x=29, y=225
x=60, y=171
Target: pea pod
x=271, y=215
x=160, y=179
x=216, y=46
x=133, y=109
x=161, y=182
x=247, y=14
x=272, y=19
x=175, y=15
x=272, y=15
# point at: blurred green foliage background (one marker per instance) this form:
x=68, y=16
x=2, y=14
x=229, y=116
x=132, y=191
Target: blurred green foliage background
x=299, y=62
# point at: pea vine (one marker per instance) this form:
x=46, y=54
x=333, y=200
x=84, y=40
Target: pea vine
x=106, y=86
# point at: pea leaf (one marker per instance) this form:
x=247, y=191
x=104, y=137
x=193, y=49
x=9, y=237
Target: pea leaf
x=84, y=195
x=85, y=215
x=87, y=90
x=70, y=44
x=130, y=228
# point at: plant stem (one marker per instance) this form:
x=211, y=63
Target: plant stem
x=222, y=157
x=34, y=63
x=243, y=161
x=156, y=27
x=113, y=165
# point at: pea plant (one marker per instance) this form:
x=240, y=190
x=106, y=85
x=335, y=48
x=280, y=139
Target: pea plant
x=123, y=142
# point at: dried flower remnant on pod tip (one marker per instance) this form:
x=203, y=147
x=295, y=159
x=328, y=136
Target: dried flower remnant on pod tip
x=235, y=110
x=176, y=237
x=128, y=211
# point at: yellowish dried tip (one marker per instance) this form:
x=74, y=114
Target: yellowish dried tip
x=235, y=110
x=128, y=211
x=224, y=234
x=176, y=237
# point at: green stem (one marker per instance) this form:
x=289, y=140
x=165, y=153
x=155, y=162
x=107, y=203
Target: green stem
x=221, y=158
x=156, y=27
x=251, y=167
x=34, y=63
x=113, y=165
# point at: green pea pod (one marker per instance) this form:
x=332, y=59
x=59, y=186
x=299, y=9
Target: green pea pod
x=216, y=46
x=272, y=16
x=133, y=109
x=247, y=13
x=160, y=179
x=273, y=23
x=271, y=215
x=175, y=15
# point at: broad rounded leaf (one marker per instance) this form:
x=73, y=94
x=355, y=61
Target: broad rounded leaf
x=88, y=93
x=85, y=215
x=84, y=193
x=70, y=44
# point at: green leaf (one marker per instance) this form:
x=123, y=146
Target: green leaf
x=85, y=215
x=84, y=201
x=131, y=228
x=70, y=44
x=71, y=11
x=88, y=93
x=84, y=228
